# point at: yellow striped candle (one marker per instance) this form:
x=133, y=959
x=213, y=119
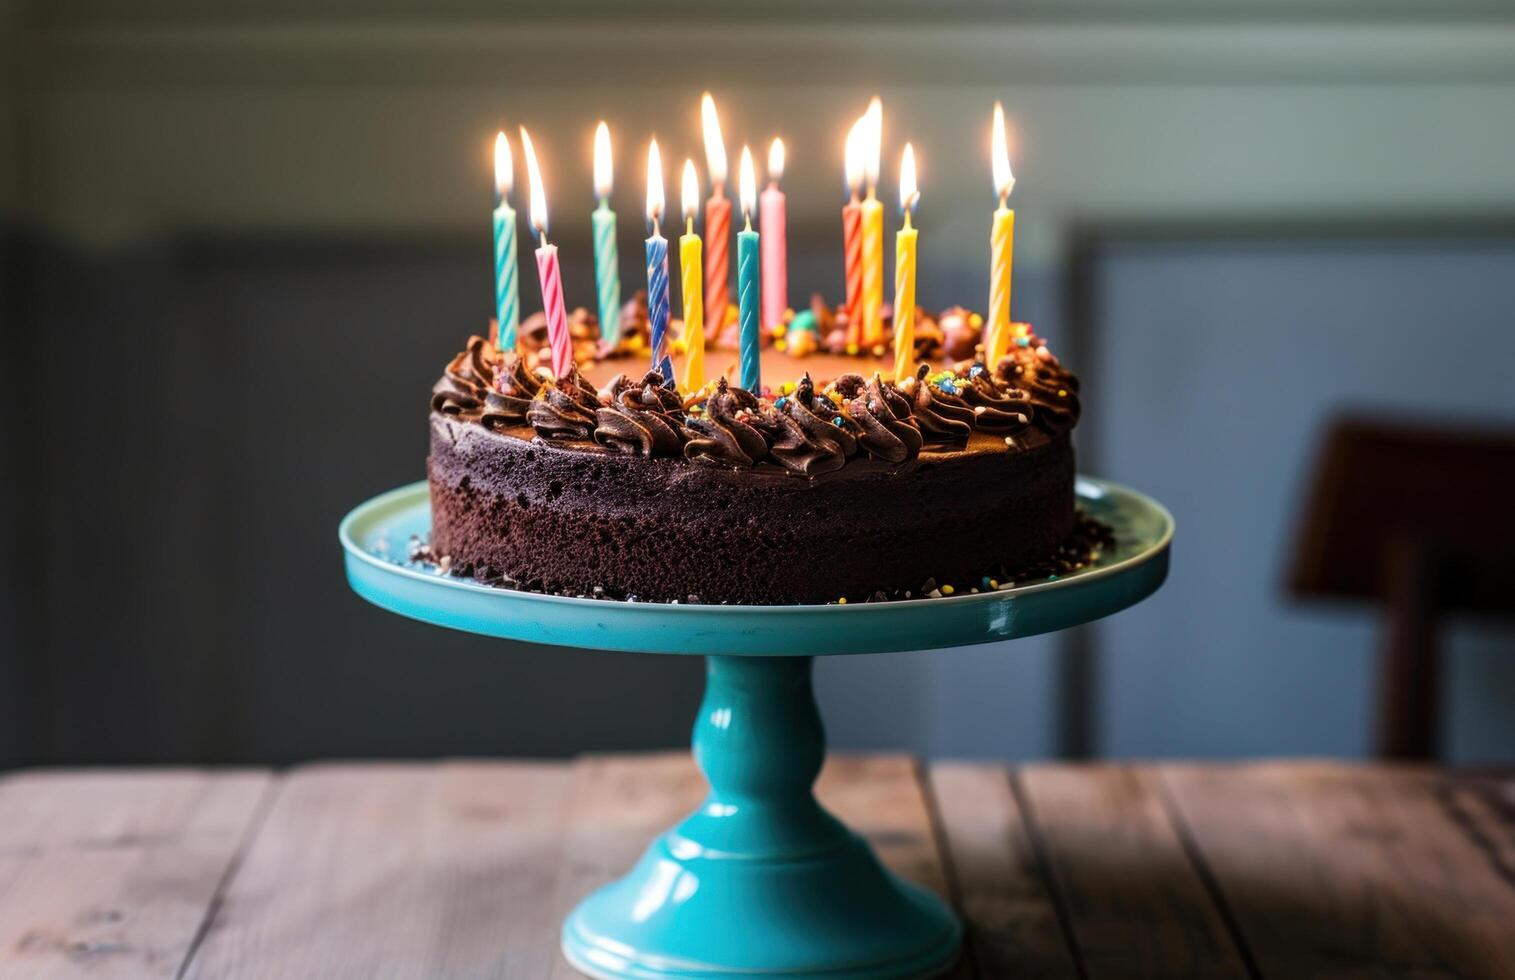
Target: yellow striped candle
x=873, y=231
x=873, y=270
x=904, y=272
x=1001, y=250
x=691, y=271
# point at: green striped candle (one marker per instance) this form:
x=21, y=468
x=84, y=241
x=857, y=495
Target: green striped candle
x=607, y=273
x=507, y=294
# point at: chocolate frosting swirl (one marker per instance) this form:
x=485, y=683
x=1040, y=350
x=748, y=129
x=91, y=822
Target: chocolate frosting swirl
x=810, y=436
x=943, y=417
x=889, y=432
x=997, y=407
x=725, y=435
x=507, y=401
x=468, y=376
x=640, y=419
x=563, y=411
x=1050, y=387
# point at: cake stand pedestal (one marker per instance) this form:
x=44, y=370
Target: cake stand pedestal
x=760, y=880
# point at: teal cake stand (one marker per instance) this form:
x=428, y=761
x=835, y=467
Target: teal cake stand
x=760, y=881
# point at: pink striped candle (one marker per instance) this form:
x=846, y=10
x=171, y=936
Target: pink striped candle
x=772, y=218
x=548, y=273
x=552, y=305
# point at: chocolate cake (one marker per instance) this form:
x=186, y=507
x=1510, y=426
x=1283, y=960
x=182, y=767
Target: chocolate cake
x=832, y=485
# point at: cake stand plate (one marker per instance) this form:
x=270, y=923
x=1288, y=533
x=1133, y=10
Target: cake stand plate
x=760, y=881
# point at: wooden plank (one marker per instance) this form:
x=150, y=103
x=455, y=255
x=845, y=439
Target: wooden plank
x=399, y=871
x=880, y=797
x=1013, y=924
x=1135, y=903
x=620, y=803
x=1331, y=869
x=883, y=799
x=114, y=874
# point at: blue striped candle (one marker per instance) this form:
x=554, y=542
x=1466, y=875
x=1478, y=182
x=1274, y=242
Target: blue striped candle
x=657, y=303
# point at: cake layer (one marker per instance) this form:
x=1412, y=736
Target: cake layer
x=580, y=517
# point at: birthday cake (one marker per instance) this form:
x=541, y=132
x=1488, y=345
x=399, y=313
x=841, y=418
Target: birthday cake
x=837, y=486
x=864, y=453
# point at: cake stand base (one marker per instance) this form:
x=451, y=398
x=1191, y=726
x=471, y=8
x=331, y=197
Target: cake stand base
x=760, y=880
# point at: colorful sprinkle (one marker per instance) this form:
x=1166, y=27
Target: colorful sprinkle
x=842, y=601
x=781, y=402
x=947, y=590
x=1023, y=341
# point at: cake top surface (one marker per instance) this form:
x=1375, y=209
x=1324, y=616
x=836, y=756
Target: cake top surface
x=829, y=408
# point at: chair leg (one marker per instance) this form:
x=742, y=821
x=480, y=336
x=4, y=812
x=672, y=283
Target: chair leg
x=1409, y=708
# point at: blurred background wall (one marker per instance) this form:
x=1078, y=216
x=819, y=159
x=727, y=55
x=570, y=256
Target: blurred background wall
x=241, y=240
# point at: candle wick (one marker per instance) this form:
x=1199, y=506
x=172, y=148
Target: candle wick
x=655, y=233
x=1004, y=199
x=870, y=192
x=747, y=218
x=689, y=224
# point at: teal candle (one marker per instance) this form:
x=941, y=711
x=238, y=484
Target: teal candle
x=507, y=296
x=507, y=293
x=607, y=274
x=747, y=290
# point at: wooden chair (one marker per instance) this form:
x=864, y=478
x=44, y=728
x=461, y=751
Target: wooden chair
x=1420, y=519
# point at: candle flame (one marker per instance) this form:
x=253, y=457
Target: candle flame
x=504, y=168
x=655, y=201
x=1004, y=180
x=747, y=183
x=603, y=173
x=909, y=194
x=691, y=193
x=873, y=146
x=776, y=160
x=853, y=167
x=534, y=178
x=715, y=147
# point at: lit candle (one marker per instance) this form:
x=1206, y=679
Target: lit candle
x=717, y=221
x=548, y=273
x=873, y=229
x=691, y=275
x=507, y=297
x=747, y=280
x=772, y=220
x=607, y=274
x=904, y=272
x=852, y=234
x=1001, y=247
x=657, y=267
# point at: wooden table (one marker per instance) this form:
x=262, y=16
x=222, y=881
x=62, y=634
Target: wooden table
x=458, y=869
